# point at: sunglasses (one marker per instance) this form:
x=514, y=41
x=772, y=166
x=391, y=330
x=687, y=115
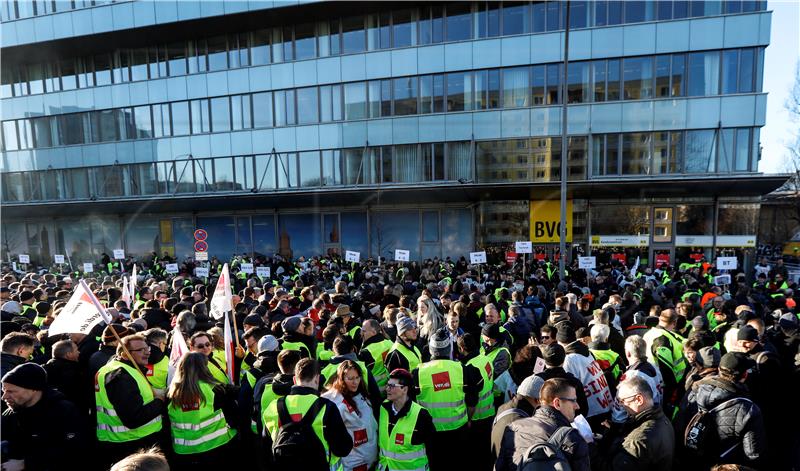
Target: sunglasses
x=202, y=345
x=545, y=337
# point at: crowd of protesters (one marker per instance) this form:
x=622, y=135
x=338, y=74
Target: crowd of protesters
x=405, y=366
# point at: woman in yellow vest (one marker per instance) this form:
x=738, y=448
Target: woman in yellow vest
x=201, y=415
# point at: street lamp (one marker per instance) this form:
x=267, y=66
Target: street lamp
x=562, y=242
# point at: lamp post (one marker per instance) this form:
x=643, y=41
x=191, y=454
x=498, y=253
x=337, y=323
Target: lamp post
x=562, y=243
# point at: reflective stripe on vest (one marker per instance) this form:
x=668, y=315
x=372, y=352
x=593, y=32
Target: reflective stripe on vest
x=671, y=357
x=109, y=426
x=199, y=429
x=412, y=356
x=396, y=450
x=485, y=406
x=379, y=350
x=441, y=384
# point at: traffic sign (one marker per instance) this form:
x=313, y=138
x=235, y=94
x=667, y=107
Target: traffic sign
x=200, y=246
x=200, y=234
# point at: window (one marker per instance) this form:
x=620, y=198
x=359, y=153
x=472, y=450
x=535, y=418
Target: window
x=353, y=35
x=374, y=96
x=143, y=121
x=386, y=164
x=578, y=11
x=259, y=47
x=355, y=98
x=287, y=170
x=284, y=107
x=265, y=171
x=487, y=89
x=331, y=103
x=409, y=165
x=177, y=59
x=553, y=79
x=742, y=150
x=537, y=84
x=700, y=151
x=286, y=44
x=599, y=80
x=69, y=79
x=539, y=14
x=331, y=167
x=305, y=41
x=198, y=61
x=379, y=31
x=360, y=166
x=459, y=91
x=578, y=82
x=726, y=150
x=730, y=67
x=612, y=154
x=660, y=160
x=516, y=87
x=404, y=28
x=677, y=76
x=241, y=113
x=638, y=77
x=335, y=38
x=405, y=96
x=554, y=12
x=217, y=53
x=262, y=110
x=488, y=20
x=36, y=78
x=459, y=21
x=10, y=135
x=638, y=11
x=201, y=122
x=662, y=76
x=703, y=73
x=431, y=24
x=323, y=38
x=307, y=105
x=675, y=152
x=220, y=114
x=180, y=118
x=42, y=131
x=431, y=93
x=138, y=64
x=309, y=169
x=52, y=83
x=104, y=126
x=746, y=71
x=636, y=153
x=102, y=69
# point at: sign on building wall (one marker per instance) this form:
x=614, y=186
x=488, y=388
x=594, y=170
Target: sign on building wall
x=545, y=221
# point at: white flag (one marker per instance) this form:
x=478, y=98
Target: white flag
x=81, y=314
x=178, y=349
x=229, y=350
x=221, y=302
x=635, y=267
x=126, y=292
x=133, y=286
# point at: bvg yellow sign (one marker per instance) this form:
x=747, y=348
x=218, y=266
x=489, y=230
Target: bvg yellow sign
x=545, y=221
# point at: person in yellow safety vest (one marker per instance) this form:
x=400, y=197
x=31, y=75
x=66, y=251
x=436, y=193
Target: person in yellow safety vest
x=351, y=326
x=43, y=310
x=128, y=410
x=405, y=429
x=326, y=423
x=480, y=430
x=490, y=310
x=298, y=335
x=776, y=288
x=374, y=351
x=201, y=342
x=404, y=354
x=202, y=433
x=665, y=349
x=450, y=392
x=26, y=300
x=609, y=360
x=144, y=294
x=158, y=363
x=343, y=350
x=494, y=346
x=714, y=313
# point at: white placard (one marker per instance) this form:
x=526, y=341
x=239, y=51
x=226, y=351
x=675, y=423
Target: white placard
x=201, y=256
x=14, y=266
x=477, y=257
x=201, y=272
x=727, y=263
x=24, y=258
x=523, y=247
x=58, y=258
x=246, y=268
x=262, y=272
x=172, y=268
x=539, y=366
x=352, y=256
x=722, y=280
x=401, y=255
x=88, y=267
x=119, y=254
x=586, y=263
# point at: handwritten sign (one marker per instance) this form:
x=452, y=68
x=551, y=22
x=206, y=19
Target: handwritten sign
x=247, y=268
x=58, y=258
x=24, y=258
x=401, y=255
x=119, y=254
x=88, y=267
x=523, y=247
x=262, y=272
x=587, y=263
x=201, y=272
x=477, y=257
x=352, y=256
x=172, y=268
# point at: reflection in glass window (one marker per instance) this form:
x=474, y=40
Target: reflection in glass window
x=161, y=121
x=299, y=235
x=204, y=169
x=102, y=69
x=577, y=151
x=217, y=53
x=355, y=232
x=662, y=76
x=180, y=118
x=264, y=235
x=742, y=152
x=507, y=160
x=459, y=91
x=746, y=71
x=405, y=96
x=660, y=159
x=516, y=87
x=677, y=76
x=553, y=88
x=198, y=62
x=578, y=82
x=430, y=226
x=515, y=18
x=309, y=169
x=394, y=230
x=355, y=101
x=545, y=155
x=262, y=110
x=69, y=80
x=305, y=41
x=332, y=168
x=554, y=15
x=307, y=103
x=730, y=66
x=331, y=103
x=374, y=105
x=353, y=35
x=408, y=165
x=265, y=171
x=431, y=93
x=287, y=170
x=43, y=132
x=259, y=47
x=200, y=120
x=243, y=167
x=177, y=59
x=599, y=80
x=223, y=175
x=700, y=151
x=404, y=28
x=222, y=229
x=360, y=166
x=459, y=21
x=284, y=107
x=431, y=25
x=457, y=232
x=487, y=89
x=220, y=115
x=10, y=140
x=703, y=73
x=578, y=13
x=612, y=93
x=636, y=153
x=638, y=77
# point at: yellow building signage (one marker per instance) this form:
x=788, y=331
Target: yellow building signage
x=545, y=221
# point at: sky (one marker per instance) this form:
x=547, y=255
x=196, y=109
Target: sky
x=782, y=57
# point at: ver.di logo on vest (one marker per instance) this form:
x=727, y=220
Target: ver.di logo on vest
x=441, y=381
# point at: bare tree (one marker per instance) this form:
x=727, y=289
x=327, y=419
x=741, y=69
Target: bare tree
x=792, y=106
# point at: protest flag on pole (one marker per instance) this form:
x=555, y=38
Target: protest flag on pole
x=81, y=314
x=178, y=349
x=221, y=301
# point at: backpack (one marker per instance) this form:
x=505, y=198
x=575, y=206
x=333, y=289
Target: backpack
x=700, y=436
x=297, y=445
x=547, y=456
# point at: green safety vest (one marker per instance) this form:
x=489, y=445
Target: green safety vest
x=218, y=372
x=267, y=397
x=329, y=372
x=109, y=426
x=397, y=453
x=479, y=313
x=485, y=407
x=379, y=350
x=780, y=290
x=354, y=332
x=157, y=374
x=297, y=405
x=296, y=346
x=322, y=353
x=608, y=360
x=412, y=356
x=673, y=357
x=712, y=321
x=200, y=428
x=38, y=320
x=441, y=385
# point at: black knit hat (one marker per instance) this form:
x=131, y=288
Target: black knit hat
x=491, y=330
x=747, y=333
x=736, y=363
x=28, y=376
x=566, y=334
x=553, y=354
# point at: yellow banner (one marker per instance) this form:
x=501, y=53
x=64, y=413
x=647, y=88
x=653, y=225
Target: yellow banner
x=545, y=221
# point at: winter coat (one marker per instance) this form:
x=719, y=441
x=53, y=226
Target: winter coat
x=363, y=428
x=524, y=433
x=647, y=444
x=580, y=362
x=499, y=426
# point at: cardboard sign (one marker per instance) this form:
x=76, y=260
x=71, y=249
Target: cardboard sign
x=262, y=272
x=523, y=247
x=401, y=255
x=727, y=263
x=352, y=256
x=477, y=257
x=119, y=254
x=24, y=258
x=88, y=267
x=58, y=258
x=201, y=272
x=172, y=268
x=247, y=268
x=722, y=280
x=587, y=263
x=201, y=256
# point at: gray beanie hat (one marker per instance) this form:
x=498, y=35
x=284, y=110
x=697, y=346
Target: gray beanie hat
x=404, y=324
x=440, y=344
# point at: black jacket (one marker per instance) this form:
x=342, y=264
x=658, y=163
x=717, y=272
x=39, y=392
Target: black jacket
x=647, y=443
x=281, y=385
x=523, y=433
x=424, y=430
x=499, y=426
x=8, y=362
x=50, y=435
x=559, y=372
x=157, y=318
x=100, y=358
x=123, y=393
x=68, y=378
